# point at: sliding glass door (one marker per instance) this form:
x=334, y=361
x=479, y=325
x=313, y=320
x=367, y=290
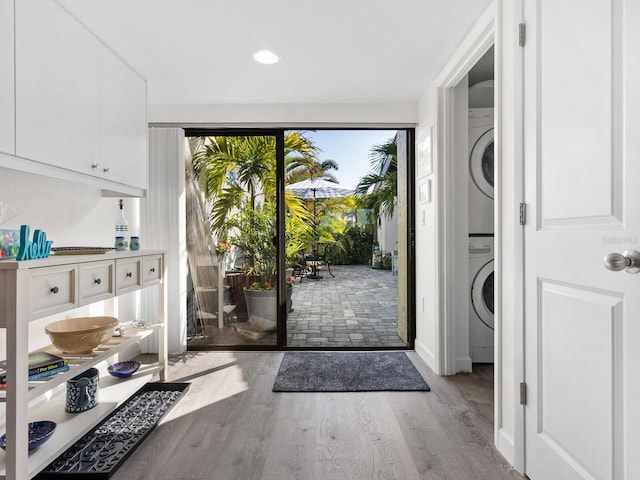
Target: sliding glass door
x=299, y=239
x=232, y=240
x=345, y=246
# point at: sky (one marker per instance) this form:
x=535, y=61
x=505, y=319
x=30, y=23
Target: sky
x=350, y=149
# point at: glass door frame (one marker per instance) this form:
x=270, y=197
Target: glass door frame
x=281, y=328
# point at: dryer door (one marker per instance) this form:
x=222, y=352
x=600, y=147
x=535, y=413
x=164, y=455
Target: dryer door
x=481, y=163
x=482, y=297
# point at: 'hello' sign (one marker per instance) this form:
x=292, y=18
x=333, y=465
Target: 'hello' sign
x=40, y=247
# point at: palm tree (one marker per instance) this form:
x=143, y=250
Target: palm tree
x=378, y=189
x=239, y=172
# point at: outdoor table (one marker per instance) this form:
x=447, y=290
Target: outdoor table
x=315, y=257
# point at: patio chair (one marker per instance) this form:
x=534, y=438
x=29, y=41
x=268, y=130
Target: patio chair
x=314, y=259
x=299, y=271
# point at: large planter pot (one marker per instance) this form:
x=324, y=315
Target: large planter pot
x=264, y=303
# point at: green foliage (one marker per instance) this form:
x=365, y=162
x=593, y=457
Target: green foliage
x=386, y=260
x=253, y=232
x=237, y=175
x=240, y=172
x=298, y=233
x=353, y=247
x=378, y=189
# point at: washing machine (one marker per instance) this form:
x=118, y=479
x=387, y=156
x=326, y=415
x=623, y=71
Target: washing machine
x=481, y=94
x=481, y=298
x=481, y=135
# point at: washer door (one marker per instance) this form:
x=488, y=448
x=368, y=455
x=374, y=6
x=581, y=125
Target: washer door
x=481, y=163
x=482, y=297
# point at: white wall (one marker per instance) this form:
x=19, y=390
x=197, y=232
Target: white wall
x=372, y=115
x=163, y=216
x=458, y=237
x=504, y=15
x=71, y=215
x=509, y=236
x=427, y=291
x=388, y=233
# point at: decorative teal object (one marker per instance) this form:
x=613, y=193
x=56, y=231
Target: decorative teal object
x=9, y=243
x=40, y=247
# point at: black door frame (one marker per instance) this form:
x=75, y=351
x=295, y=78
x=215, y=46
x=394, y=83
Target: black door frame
x=281, y=329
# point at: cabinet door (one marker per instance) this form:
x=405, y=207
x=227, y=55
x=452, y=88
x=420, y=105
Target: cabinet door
x=7, y=126
x=56, y=87
x=123, y=121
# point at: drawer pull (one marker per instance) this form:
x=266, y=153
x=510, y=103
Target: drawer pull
x=97, y=281
x=129, y=274
x=54, y=290
x=152, y=270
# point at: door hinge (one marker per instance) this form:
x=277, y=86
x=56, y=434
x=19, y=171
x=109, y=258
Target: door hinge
x=523, y=213
x=523, y=393
x=522, y=34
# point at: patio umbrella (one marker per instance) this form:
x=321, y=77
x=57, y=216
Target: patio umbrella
x=317, y=188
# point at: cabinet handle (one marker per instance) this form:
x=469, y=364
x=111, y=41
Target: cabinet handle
x=129, y=274
x=107, y=170
x=95, y=166
x=97, y=281
x=152, y=270
x=54, y=290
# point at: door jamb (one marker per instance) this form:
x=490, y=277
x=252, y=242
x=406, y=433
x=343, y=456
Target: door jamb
x=489, y=30
x=445, y=84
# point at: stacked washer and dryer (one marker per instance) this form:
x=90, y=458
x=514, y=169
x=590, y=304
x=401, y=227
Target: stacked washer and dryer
x=481, y=222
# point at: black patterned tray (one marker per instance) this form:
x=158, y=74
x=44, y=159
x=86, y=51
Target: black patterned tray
x=102, y=451
x=81, y=250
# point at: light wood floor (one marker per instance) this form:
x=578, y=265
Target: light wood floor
x=230, y=425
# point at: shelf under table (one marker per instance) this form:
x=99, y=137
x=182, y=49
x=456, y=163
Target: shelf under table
x=51, y=397
x=80, y=363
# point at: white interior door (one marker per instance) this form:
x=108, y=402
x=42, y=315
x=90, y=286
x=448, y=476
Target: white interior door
x=582, y=181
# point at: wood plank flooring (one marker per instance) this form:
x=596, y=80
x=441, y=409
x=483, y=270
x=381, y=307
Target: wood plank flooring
x=230, y=425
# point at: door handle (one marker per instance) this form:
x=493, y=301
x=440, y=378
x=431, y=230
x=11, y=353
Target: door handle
x=629, y=261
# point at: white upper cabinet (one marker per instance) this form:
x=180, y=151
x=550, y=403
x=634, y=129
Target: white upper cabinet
x=123, y=121
x=7, y=126
x=56, y=88
x=79, y=107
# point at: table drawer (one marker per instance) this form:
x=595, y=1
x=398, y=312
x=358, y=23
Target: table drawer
x=151, y=270
x=52, y=290
x=96, y=281
x=128, y=275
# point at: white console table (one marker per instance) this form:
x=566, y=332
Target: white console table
x=34, y=289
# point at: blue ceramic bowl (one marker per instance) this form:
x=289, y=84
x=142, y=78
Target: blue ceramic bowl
x=39, y=432
x=124, y=369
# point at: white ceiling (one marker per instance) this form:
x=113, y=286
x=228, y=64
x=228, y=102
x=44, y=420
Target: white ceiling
x=332, y=51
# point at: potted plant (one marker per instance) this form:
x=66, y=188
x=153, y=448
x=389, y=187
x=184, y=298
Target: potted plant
x=253, y=232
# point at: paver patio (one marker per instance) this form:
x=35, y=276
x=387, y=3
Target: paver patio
x=356, y=308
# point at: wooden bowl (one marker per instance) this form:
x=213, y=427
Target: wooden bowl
x=81, y=334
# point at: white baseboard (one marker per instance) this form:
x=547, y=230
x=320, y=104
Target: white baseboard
x=463, y=364
x=505, y=445
x=427, y=355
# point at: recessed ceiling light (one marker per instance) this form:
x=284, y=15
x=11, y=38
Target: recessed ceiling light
x=265, y=56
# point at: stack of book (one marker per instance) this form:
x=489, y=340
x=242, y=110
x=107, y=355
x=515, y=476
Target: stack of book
x=41, y=365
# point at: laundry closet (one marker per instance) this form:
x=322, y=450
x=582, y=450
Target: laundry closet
x=481, y=209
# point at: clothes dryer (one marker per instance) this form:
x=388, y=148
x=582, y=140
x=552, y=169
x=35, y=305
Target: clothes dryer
x=481, y=298
x=481, y=163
